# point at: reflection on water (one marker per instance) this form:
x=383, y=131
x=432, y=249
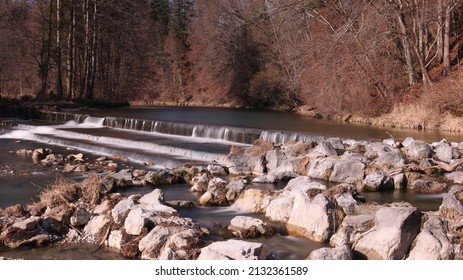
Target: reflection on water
x=424, y=202
x=63, y=252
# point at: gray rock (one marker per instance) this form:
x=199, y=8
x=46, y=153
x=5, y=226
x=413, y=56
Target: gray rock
x=390, y=142
x=407, y=142
x=200, y=182
x=336, y=143
x=121, y=210
x=347, y=202
x=433, y=242
x=319, y=225
x=347, y=171
x=378, y=181
x=321, y=168
x=97, y=225
x=216, y=169
x=115, y=239
x=231, y=250
x=455, y=177
x=274, y=159
x=154, y=197
x=252, y=200
x=351, y=229
x=427, y=185
x=280, y=209
x=444, y=152
x=80, y=217
x=239, y=164
x=418, y=150
x=246, y=227
x=451, y=207
x=136, y=220
x=323, y=149
x=377, y=149
x=151, y=244
x=27, y=224
x=390, y=160
x=400, y=181
x=282, y=172
x=260, y=168
x=342, y=252
x=303, y=183
x=391, y=237
x=234, y=189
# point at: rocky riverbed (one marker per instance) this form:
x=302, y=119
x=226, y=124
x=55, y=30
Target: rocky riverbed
x=149, y=227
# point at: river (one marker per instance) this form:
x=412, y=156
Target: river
x=169, y=137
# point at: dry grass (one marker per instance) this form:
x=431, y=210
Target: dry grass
x=67, y=192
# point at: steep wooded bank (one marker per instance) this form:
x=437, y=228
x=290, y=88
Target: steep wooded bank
x=336, y=57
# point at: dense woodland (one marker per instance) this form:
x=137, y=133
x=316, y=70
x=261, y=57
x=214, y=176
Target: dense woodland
x=336, y=56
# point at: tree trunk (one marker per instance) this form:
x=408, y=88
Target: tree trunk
x=446, y=60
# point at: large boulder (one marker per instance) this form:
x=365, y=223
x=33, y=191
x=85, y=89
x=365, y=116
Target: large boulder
x=342, y=252
x=444, y=152
x=323, y=149
x=234, y=189
x=455, y=177
x=427, y=185
x=378, y=181
x=280, y=209
x=136, y=220
x=246, y=227
x=303, y=183
x=252, y=200
x=80, y=217
x=97, y=225
x=351, y=229
x=418, y=150
x=121, y=210
x=312, y=217
x=282, y=172
x=274, y=159
x=347, y=171
x=321, y=168
x=390, y=160
x=391, y=237
x=451, y=207
x=151, y=244
x=231, y=250
x=377, y=149
x=433, y=242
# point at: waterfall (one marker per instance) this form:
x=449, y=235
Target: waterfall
x=93, y=121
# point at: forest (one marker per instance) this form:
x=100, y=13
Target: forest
x=335, y=57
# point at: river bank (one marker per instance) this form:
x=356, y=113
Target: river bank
x=148, y=226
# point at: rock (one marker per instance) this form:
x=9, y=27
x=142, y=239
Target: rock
x=282, y=172
x=40, y=153
x=336, y=143
x=280, y=209
x=347, y=202
x=343, y=252
x=246, y=227
x=27, y=239
x=300, y=165
x=121, y=210
x=427, y=186
x=181, y=203
x=444, y=152
x=115, y=239
x=433, y=243
x=303, y=183
x=378, y=181
x=216, y=183
x=80, y=168
x=234, y=189
x=274, y=159
x=80, y=217
x=53, y=226
x=231, y=250
x=136, y=220
x=102, y=208
x=347, y=171
x=319, y=224
x=400, y=181
x=200, y=182
x=261, y=166
x=323, y=149
x=260, y=147
x=321, y=168
x=391, y=237
x=61, y=213
x=206, y=198
x=97, y=225
x=154, y=197
x=27, y=224
x=455, y=177
x=407, y=142
x=418, y=150
x=139, y=173
x=123, y=178
x=390, y=160
x=377, y=149
x=216, y=169
x=151, y=244
x=251, y=200
x=390, y=142
x=241, y=164
x=451, y=207
x=351, y=229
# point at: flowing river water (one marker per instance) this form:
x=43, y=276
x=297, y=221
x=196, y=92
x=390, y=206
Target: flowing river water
x=169, y=137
